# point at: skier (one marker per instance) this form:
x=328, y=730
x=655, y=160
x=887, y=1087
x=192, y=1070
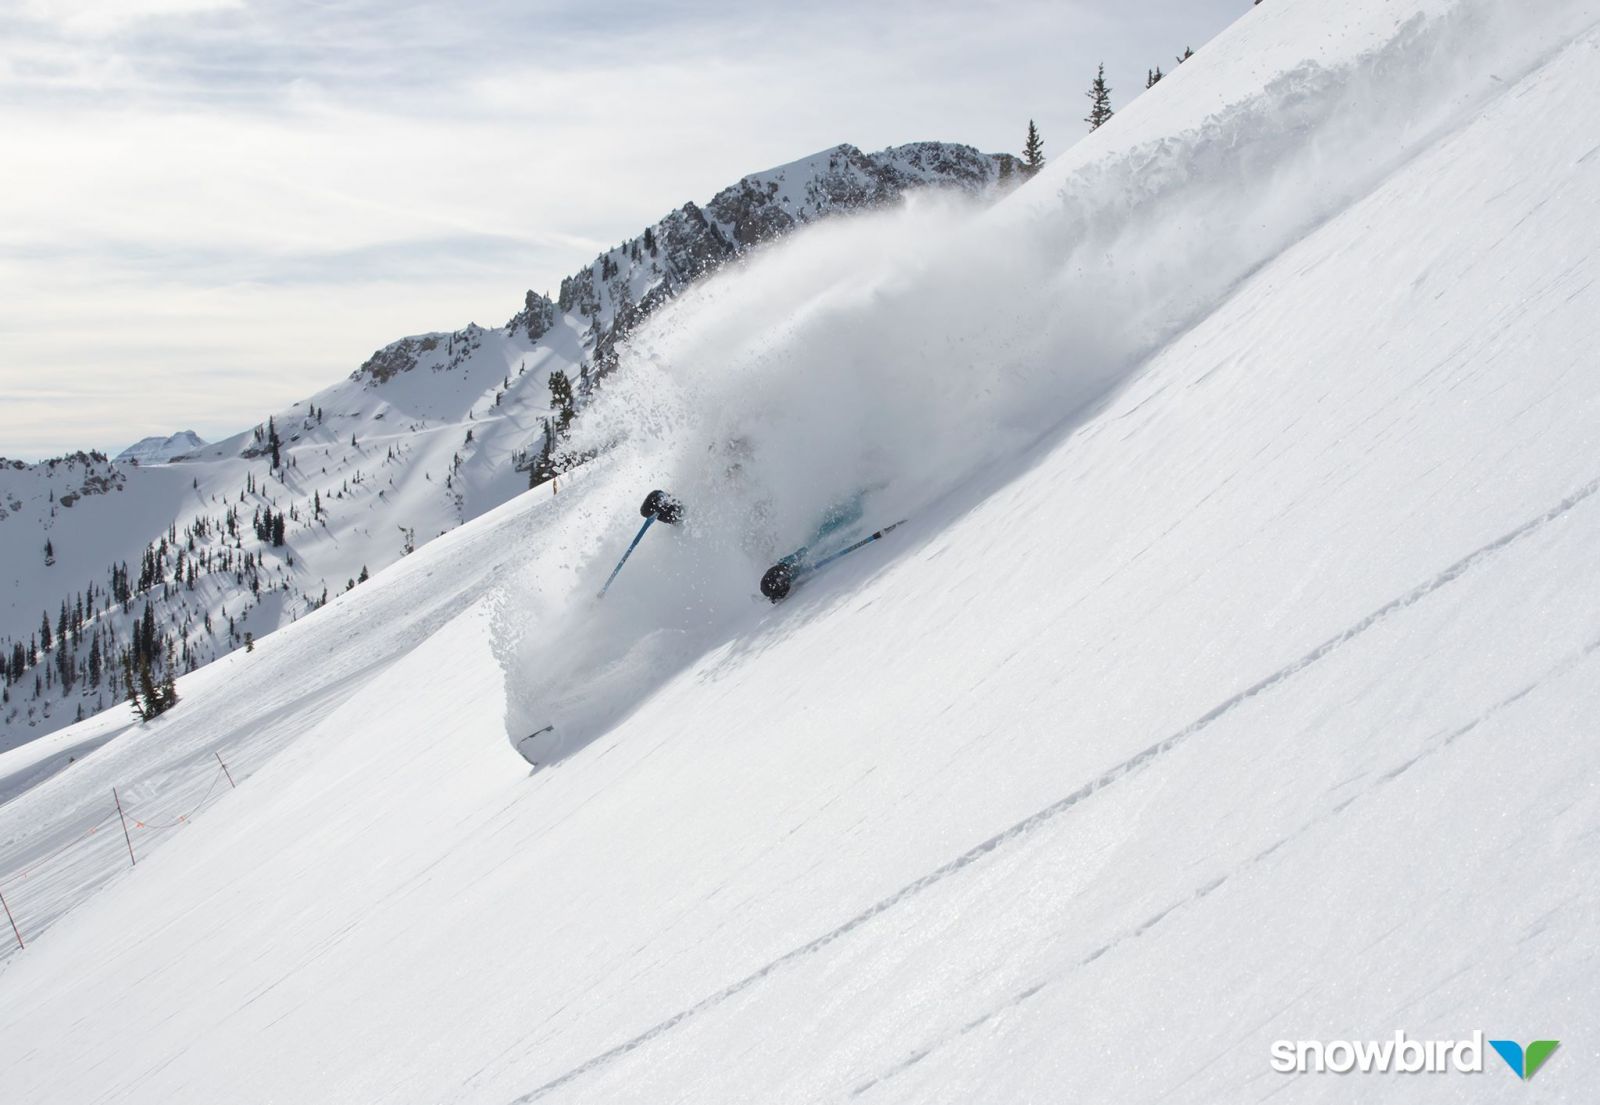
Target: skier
x=831, y=540
x=829, y=543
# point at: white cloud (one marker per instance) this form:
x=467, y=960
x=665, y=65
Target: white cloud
x=90, y=17
x=195, y=185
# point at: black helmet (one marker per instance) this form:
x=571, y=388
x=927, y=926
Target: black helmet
x=776, y=583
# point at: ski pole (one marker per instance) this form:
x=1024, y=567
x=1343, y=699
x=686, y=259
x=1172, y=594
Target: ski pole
x=864, y=541
x=131, y=861
x=535, y=733
x=636, y=539
x=13, y=921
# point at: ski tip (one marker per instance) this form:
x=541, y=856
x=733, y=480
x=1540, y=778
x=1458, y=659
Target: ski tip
x=537, y=752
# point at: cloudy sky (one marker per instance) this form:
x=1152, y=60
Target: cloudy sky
x=212, y=208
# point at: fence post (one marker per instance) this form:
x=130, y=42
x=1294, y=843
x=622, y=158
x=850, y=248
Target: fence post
x=225, y=771
x=124, y=820
x=13, y=921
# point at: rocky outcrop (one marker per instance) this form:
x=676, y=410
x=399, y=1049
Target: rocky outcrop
x=536, y=318
x=396, y=357
x=439, y=352
x=622, y=286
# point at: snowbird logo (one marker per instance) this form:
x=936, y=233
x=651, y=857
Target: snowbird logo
x=1525, y=1064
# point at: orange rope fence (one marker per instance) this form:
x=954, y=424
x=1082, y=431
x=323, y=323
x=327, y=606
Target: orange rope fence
x=182, y=817
x=128, y=822
x=18, y=876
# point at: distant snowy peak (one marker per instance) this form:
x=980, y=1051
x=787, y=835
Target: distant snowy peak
x=160, y=450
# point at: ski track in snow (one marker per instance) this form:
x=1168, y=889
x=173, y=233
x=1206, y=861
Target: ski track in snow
x=1205, y=890
x=1108, y=778
x=249, y=739
x=1405, y=836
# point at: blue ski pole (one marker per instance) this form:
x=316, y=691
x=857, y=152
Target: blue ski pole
x=636, y=539
x=869, y=539
x=657, y=504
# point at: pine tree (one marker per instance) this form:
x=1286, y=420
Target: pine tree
x=131, y=691
x=274, y=443
x=1152, y=77
x=67, y=668
x=1032, y=151
x=148, y=693
x=561, y=399
x=1100, y=101
x=167, y=693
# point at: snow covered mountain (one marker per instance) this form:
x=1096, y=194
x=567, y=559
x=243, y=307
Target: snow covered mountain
x=1233, y=680
x=228, y=545
x=160, y=450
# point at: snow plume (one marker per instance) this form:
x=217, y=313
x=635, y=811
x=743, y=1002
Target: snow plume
x=908, y=351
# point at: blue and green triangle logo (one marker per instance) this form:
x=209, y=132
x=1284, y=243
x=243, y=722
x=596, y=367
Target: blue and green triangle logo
x=1525, y=1064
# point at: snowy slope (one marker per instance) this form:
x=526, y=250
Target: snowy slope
x=1253, y=701
x=432, y=431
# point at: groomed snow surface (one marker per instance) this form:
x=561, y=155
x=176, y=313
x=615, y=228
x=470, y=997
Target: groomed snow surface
x=1235, y=679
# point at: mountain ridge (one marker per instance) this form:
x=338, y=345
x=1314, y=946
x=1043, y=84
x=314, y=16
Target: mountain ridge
x=1253, y=703
x=431, y=430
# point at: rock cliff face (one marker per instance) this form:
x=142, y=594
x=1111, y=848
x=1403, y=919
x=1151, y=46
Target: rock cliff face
x=440, y=352
x=623, y=285
x=765, y=205
x=536, y=318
